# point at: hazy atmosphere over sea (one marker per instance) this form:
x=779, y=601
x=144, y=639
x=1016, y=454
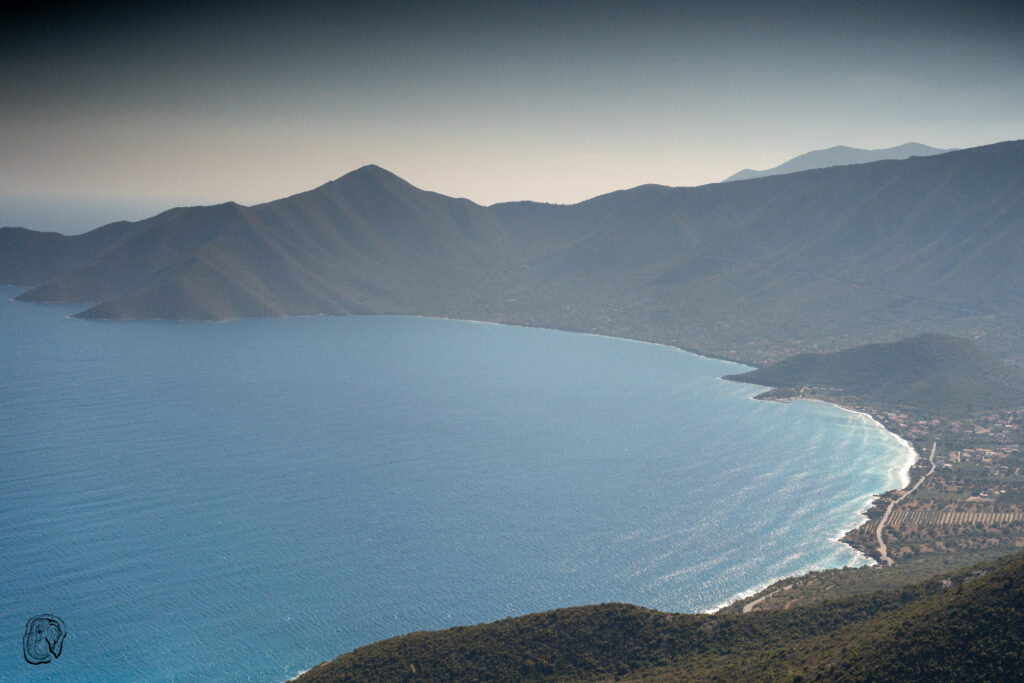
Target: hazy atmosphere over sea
x=118, y=111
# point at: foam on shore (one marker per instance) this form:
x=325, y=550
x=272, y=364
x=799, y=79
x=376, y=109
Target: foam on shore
x=900, y=471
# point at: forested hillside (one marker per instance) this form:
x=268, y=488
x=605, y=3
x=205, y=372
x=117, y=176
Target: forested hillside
x=931, y=372
x=967, y=626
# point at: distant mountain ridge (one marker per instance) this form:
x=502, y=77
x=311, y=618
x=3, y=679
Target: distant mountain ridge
x=840, y=155
x=820, y=260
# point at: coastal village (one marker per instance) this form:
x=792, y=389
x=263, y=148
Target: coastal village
x=973, y=502
x=968, y=507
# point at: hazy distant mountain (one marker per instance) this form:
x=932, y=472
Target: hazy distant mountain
x=365, y=242
x=840, y=156
x=757, y=271
x=934, y=372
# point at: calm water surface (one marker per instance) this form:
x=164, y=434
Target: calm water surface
x=240, y=501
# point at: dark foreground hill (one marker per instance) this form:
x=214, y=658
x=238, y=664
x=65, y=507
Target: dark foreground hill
x=931, y=372
x=966, y=627
x=840, y=155
x=755, y=270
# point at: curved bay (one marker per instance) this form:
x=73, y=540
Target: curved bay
x=221, y=501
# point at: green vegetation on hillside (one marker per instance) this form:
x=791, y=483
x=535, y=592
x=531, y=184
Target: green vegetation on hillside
x=967, y=626
x=930, y=372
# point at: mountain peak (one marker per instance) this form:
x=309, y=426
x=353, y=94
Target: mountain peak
x=370, y=179
x=839, y=155
x=369, y=171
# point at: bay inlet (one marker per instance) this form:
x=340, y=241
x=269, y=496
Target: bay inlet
x=244, y=500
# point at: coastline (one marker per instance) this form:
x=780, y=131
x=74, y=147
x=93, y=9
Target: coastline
x=747, y=364
x=674, y=347
x=614, y=345
x=912, y=455
x=749, y=593
x=902, y=471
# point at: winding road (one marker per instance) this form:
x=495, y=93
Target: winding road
x=882, y=550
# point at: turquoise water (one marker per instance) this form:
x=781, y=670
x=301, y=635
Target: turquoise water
x=240, y=501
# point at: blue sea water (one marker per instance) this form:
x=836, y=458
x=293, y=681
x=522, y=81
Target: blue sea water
x=243, y=500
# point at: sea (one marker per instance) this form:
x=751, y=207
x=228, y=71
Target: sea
x=240, y=501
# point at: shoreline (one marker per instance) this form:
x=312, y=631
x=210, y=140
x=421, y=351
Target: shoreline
x=899, y=471
x=673, y=347
x=701, y=354
x=902, y=471
x=912, y=455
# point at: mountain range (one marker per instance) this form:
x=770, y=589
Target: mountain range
x=841, y=155
x=753, y=270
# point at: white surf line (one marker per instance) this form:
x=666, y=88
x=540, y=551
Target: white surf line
x=883, y=551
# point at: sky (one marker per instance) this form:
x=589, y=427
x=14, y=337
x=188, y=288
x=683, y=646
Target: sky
x=120, y=110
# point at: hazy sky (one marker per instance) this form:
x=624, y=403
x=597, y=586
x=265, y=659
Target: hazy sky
x=130, y=110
